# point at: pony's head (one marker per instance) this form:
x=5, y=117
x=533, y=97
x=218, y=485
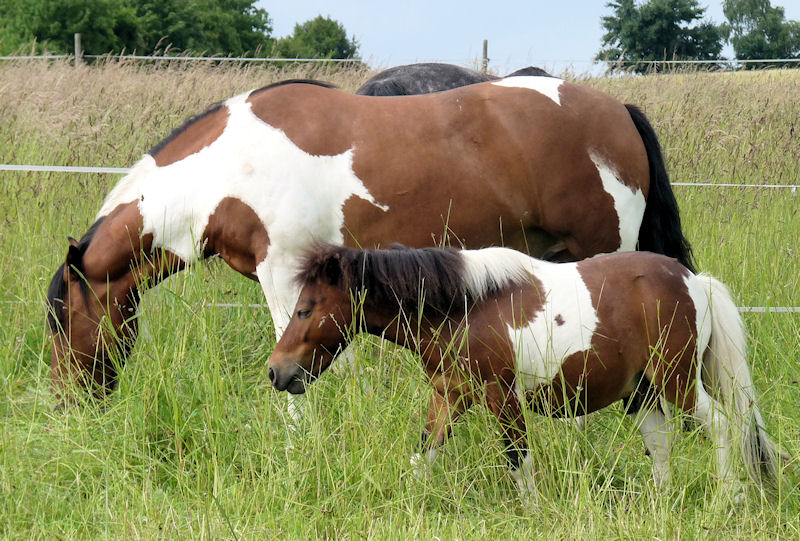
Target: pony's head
x=334, y=278
x=318, y=329
x=91, y=320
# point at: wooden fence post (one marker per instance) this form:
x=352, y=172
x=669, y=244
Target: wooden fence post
x=78, y=51
x=485, y=62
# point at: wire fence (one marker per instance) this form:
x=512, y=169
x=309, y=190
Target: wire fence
x=123, y=170
x=731, y=63
x=169, y=58
x=724, y=63
x=263, y=306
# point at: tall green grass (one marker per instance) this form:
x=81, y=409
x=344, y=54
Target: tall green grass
x=194, y=443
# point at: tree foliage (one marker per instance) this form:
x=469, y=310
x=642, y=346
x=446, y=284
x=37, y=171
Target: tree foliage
x=658, y=30
x=758, y=30
x=321, y=37
x=209, y=26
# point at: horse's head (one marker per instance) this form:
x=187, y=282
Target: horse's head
x=91, y=321
x=318, y=330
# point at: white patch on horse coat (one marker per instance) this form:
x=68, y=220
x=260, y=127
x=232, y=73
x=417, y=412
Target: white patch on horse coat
x=542, y=344
x=629, y=203
x=297, y=196
x=547, y=86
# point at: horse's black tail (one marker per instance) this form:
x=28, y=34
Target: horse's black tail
x=660, y=231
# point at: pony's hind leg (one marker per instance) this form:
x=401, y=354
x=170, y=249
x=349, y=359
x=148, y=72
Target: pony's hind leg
x=709, y=412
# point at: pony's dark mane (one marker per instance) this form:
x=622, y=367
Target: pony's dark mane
x=426, y=278
x=217, y=106
x=58, y=287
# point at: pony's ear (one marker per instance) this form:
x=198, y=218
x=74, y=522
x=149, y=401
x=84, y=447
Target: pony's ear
x=73, y=257
x=332, y=269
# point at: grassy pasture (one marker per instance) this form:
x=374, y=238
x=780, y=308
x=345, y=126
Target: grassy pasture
x=194, y=445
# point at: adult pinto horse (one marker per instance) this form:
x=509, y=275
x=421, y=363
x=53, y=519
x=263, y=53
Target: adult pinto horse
x=429, y=77
x=495, y=325
x=535, y=163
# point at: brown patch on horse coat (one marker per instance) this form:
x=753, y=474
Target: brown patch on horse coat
x=305, y=114
x=236, y=233
x=444, y=162
x=194, y=136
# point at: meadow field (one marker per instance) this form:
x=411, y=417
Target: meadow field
x=194, y=444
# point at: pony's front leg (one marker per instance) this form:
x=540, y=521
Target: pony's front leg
x=445, y=407
x=505, y=404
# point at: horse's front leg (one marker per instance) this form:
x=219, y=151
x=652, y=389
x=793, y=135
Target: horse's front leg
x=447, y=404
x=504, y=403
x=280, y=291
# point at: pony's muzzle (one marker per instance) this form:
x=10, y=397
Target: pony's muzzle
x=289, y=378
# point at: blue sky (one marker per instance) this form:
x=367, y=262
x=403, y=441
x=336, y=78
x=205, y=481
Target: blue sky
x=555, y=34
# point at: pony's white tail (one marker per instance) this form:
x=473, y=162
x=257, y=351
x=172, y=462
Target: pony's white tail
x=726, y=365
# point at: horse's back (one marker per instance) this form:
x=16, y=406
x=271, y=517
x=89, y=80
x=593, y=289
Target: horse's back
x=516, y=152
x=422, y=78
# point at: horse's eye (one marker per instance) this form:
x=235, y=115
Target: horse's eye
x=303, y=314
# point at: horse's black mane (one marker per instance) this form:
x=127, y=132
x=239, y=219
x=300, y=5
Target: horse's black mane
x=217, y=106
x=180, y=129
x=58, y=287
x=314, y=82
x=427, y=278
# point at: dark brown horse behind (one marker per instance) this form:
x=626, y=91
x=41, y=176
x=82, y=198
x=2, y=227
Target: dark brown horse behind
x=497, y=326
x=539, y=164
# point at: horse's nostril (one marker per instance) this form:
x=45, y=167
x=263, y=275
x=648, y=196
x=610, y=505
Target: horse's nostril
x=272, y=375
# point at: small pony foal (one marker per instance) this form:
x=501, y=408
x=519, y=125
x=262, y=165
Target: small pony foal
x=568, y=339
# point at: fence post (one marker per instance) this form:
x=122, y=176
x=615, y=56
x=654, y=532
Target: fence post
x=78, y=51
x=485, y=62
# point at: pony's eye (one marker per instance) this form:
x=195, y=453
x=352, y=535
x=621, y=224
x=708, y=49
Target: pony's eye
x=303, y=314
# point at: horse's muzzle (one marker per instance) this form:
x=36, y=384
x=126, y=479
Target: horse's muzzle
x=291, y=378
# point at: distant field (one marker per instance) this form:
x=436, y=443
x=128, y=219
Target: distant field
x=194, y=442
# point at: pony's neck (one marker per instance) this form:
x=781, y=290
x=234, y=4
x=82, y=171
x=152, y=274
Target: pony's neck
x=422, y=333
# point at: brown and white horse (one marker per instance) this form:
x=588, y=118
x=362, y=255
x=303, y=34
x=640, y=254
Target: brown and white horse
x=495, y=325
x=539, y=164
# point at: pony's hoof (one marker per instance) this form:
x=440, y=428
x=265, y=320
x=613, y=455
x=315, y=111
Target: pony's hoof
x=422, y=464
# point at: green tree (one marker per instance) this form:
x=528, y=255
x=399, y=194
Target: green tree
x=758, y=30
x=321, y=37
x=658, y=30
x=104, y=25
x=205, y=26
x=214, y=27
